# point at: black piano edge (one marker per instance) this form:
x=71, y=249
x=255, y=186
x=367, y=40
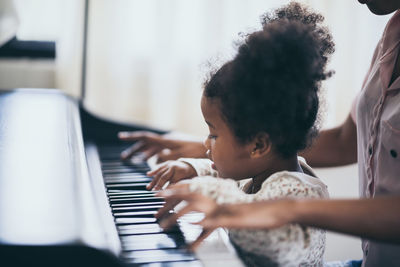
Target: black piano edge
x=57, y=255
x=94, y=128
x=103, y=131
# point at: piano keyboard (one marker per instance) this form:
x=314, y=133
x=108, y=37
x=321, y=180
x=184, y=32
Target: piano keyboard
x=143, y=241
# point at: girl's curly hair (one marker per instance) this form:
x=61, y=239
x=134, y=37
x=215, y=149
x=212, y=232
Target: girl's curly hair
x=272, y=84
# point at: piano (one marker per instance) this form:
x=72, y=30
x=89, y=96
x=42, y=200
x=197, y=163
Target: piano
x=66, y=199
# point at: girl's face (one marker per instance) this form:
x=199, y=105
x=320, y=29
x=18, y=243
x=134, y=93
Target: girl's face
x=231, y=158
x=381, y=7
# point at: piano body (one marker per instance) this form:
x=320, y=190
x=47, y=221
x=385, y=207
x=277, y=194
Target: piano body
x=67, y=200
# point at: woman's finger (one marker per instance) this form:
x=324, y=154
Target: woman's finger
x=168, y=154
x=151, y=151
x=138, y=136
x=204, y=234
x=150, y=138
x=137, y=147
x=209, y=222
x=171, y=220
x=164, y=211
x=177, y=191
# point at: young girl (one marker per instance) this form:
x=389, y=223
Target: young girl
x=261, y=109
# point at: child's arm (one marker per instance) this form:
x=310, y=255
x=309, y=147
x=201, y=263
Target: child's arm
x=174, y=171
x=202, y=166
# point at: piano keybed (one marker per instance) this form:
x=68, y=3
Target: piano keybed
x=143, y=241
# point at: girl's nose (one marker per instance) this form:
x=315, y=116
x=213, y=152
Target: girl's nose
x=208, y=153
x=207, y=143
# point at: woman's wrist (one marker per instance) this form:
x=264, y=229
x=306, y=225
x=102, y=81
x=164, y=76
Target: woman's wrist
x=298, y=210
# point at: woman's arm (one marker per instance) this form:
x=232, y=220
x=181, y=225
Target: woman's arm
x=334, y=147
x=165, y=146
x=377, y=218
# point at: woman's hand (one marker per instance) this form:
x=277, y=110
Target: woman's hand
x=195, y=202
x=171, y=171
x=256, y=215
x=166, y=147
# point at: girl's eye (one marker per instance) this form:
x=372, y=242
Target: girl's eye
x=210, y=136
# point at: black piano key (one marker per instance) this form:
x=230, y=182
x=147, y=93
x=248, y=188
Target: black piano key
x=148, y=231
x=119, y=169
x=127, y=172
x=121, y=175
x=125, y=175
x=136, y=220
x=133, y=196
x=135, y=208
x=136, y=200
x=129, y=186
x=130, y=196
x=147, y=213
x=110, y=156
x=150, y=256
x=127, y=179
x=116, y=192
x=130, y=192
x=194, y=263
x=113, y=163
x=136, y=204
x=118, y=162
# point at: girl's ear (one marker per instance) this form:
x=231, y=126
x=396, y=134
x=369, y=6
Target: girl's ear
x=260, y=146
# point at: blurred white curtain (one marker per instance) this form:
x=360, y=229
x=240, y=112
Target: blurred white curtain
x=8, y=21
x=147, y=59
x=70, y=46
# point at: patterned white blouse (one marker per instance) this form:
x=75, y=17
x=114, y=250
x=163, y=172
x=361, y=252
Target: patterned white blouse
x=289, y=245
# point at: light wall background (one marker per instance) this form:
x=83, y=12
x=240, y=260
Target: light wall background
x=147, y=60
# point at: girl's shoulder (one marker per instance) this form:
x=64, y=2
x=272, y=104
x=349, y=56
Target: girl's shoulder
x=294, y=184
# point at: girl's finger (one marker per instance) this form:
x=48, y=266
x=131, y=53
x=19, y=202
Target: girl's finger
x=164, y=178
x=157, y=170
x=156, y=177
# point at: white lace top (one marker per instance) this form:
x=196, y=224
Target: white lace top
x=290, y=245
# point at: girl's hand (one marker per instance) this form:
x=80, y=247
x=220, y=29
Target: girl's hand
x=172, y=172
